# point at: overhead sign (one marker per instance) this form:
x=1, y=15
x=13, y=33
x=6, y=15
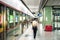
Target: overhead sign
x=39, y=14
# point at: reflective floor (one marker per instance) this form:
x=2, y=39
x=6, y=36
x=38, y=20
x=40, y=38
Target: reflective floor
x=41, y=34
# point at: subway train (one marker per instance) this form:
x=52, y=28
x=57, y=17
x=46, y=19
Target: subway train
x=13, y=20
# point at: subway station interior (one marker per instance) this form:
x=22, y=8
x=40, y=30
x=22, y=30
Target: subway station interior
x=16, y=19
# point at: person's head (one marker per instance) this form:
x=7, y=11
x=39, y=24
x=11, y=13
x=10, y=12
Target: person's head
x=35, y=19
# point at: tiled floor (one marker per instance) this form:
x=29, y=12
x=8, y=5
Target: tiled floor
x=41, y=35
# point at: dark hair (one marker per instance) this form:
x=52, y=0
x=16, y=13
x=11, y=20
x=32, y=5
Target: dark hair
x=35, y=18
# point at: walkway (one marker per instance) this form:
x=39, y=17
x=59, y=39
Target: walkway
x=41, y=35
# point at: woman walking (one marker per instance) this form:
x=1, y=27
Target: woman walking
x=34, y=26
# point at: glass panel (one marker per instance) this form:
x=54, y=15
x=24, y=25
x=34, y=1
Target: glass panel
x=0, y=9
x=16, y=18
x=58, y=24
x=21, y=17
x=56, y=17
x=11, y=17
x=10, y=25
x=8, y=19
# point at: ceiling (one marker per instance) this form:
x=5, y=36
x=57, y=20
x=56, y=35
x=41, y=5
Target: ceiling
x=53, y=3
x=33, y=5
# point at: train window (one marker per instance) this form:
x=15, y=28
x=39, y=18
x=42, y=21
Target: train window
x=16, y=18
x=21, y=18
x=15, y=14
x=0, y=8
x=0, y=15
x=11, y=17
x=0, y=26
x=24, y=17
x=11, y=12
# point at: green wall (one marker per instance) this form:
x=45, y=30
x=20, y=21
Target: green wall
x=47, y=15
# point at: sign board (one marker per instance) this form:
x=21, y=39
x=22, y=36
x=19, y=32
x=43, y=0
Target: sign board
x=39, y=14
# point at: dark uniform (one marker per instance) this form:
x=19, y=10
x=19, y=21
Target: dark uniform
x=34, y=27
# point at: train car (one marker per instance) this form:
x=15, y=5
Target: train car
x=12, y=19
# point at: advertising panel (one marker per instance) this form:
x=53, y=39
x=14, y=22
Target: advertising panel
x=11, y=17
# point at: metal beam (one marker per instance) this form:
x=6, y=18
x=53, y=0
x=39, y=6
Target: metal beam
x=42, y=4
x=25, y=5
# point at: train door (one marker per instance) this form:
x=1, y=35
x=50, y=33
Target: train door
x=21, y=25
